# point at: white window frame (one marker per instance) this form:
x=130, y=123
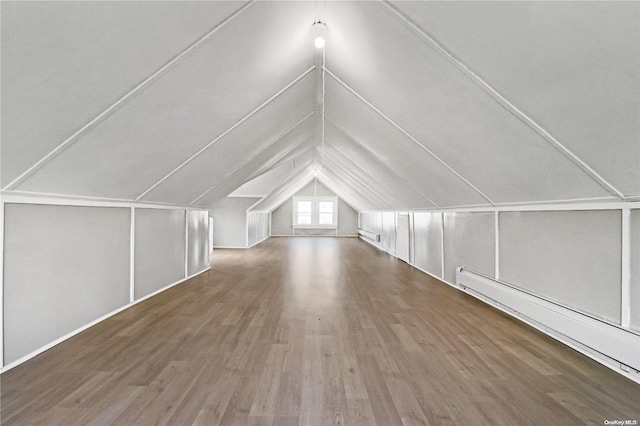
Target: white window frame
x=315, y=213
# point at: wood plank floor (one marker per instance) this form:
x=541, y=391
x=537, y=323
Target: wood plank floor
x=313, y=331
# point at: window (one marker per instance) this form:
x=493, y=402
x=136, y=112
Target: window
x=315, y=212
x=325, y=212
x=304, y=212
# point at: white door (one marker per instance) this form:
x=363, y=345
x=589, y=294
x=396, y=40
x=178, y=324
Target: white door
x=402, y=236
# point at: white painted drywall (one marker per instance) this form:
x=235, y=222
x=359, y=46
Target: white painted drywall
x=315, y=188
x=347, y=219
x=469, y=240
x=197, y=231
x=159, y=249
x=64, y=267
x=402, y=236
x=569, y=257
x=258, y=226
x=428, y=242
x=388, y=237
x=230, y=221
x=635, y=269
x=282, y=219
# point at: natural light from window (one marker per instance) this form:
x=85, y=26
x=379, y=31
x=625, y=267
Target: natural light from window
x=325, y=212
x=304, y=212
x=313, y=211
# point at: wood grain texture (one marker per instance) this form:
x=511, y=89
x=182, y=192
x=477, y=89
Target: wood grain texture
x=313, y=331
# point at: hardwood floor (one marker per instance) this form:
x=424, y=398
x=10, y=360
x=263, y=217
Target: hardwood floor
x=313, y=331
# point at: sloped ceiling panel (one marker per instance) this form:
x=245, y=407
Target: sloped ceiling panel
x=296, y=156
x=375, y=168
x=379, y=188
x=355, y=199
x=329, y=187
x=264, y=160
x=572, y=66
x=289, y=117
x=114, y=100
x=63, y=63
x=300, y=176
x=442, y=108
x=262, y=185
x=351, y=183
x=363, y=125
x=242, y=66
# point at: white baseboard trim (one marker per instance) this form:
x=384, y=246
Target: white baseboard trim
x=256, y=243
x=379, y=246
x=319, y=236
x=604, y=360
x=575, y=345
x=92, y=323
x=599, y=340
x=229, y=247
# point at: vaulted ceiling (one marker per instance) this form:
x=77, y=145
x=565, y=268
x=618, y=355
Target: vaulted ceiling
x=411, y=105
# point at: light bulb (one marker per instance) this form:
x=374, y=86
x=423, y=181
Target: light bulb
x=319, y=42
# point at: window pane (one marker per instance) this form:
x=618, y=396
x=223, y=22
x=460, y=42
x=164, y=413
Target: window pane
x=325, y=219
x=304, y=218
x=304, y=207
x=325, y=206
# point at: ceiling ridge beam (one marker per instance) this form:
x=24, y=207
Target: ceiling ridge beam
x=379, y=160
x=121, y=101
x=350, y=175
x=379, y=184
x=407, y=134
x=226, y=132
x=254, y=156
x=505, y=103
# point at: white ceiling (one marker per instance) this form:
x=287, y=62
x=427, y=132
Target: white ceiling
x=426, y=104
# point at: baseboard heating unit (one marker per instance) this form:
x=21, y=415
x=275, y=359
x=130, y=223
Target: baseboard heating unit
x=612, y=346
x=369, y=235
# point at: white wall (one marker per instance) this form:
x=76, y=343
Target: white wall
x=159, y=249
x=64, y=267
x=198, y=241
x=388, y=237
x=282, y=219
x=257, y=227
x=282, y=216
x=572, y=258
x=230, y=221
x=68, y=264
x=570, y=255
x=635, y=269
x=428, y=231
x=347, y=219
x=469, y=240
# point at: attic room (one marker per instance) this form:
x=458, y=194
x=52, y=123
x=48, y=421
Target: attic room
x=320, y=212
